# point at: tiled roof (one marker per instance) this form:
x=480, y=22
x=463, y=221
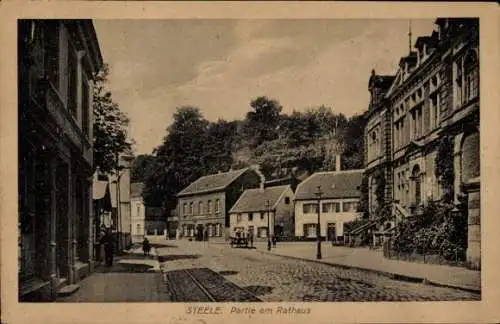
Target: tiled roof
x=213, y=182
x=341, y=184
x=136, y=189
x=253, y=200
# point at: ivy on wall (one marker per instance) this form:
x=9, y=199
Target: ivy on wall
x=363, y=201
x=444, y=167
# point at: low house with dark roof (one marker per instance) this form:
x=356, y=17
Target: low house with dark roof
x=204, y=204
x=339, y=203
x=250, y=213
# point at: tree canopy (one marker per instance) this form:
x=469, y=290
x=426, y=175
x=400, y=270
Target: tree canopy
x=282, y=144
x=110, y=136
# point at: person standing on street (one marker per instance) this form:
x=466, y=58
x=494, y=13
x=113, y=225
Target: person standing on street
x=250, y=237
x=146, y=247
x=109, y=247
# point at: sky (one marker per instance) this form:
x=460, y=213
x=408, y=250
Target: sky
x=219, y=66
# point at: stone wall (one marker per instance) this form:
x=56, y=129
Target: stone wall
x=472, y=188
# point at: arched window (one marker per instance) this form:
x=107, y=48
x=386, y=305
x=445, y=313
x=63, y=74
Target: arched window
x=138, y=228
x=200, y=208
x=416, y=177
x=471, y=73
x=470, y=157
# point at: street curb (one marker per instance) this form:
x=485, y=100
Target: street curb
x=390, y=275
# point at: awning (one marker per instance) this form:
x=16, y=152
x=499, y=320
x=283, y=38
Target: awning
x=362, y=228
x=99, y=189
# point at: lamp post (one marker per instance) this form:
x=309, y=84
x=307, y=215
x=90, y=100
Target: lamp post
x=319, y=193
x=268, y=205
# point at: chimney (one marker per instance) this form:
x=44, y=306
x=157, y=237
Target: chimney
x=337, y=162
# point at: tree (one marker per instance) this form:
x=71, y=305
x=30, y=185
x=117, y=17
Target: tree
x=110, y=125
x=217, y=151
x=262, y=122
x=352, y=137
x=178, y=159
x=141, y=167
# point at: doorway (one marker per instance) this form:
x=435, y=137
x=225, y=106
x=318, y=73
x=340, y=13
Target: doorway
x=62, y=229
x=331, y=232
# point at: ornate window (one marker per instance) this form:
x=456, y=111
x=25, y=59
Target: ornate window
x=471, y=70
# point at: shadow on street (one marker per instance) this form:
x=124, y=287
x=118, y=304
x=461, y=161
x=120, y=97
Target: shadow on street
x=174, y=257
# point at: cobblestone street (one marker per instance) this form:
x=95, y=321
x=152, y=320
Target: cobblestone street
x=273, y=278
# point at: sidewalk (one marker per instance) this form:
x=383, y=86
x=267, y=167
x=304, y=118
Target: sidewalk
x=133, y=277
x=374, y=261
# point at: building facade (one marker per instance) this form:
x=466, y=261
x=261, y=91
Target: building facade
x=138, y=212
x=264, y=210
x=434, y=98
x=378, y=141
x=205, y=203
x=120, y=201
x=340, y=194
x=56, y=61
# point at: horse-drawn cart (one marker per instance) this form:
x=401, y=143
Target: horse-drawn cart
x=239, y=242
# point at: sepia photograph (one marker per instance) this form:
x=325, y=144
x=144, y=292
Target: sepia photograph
x=249, y=160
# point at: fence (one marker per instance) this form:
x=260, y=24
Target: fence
x=428, y=256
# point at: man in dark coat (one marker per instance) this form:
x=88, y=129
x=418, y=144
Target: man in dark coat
x=109, y=247
x=146, y=247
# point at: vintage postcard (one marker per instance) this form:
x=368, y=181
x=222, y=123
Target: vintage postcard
x=185, y=162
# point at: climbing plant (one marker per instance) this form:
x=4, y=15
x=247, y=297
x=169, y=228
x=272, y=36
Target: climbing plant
x=444, y=167
x=380, y=187
x=363, y=200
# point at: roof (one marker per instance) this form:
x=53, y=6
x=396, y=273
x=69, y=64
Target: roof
x=341, y=184
x=411, y=59
x=136, y=189
x=253, y=200
x=213, y=182
x=99, y=189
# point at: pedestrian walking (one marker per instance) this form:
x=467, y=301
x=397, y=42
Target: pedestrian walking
x=146, y=247
x=250, y=237
x=109, y=247
x=273, y=238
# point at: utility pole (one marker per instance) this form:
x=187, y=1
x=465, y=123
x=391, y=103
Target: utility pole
x=409, y=36
x=268, y=205
x=319, y=194
x=118, y=204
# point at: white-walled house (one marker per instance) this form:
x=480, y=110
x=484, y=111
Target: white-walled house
x=251, y=211
x=138, y=211
x=339, y=203
x=145, y=220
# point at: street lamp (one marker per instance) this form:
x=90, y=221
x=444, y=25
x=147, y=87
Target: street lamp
x=268, y=205
x=319, y=193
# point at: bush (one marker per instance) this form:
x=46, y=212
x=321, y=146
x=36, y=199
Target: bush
x=435, y=230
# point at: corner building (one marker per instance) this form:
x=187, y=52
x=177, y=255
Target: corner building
x=56, y=60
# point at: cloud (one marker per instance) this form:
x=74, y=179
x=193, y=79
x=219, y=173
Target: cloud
x=220, y=65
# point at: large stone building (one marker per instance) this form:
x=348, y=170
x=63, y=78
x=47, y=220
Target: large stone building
x=433, y=96
x=56, y=61
x=205, y=203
